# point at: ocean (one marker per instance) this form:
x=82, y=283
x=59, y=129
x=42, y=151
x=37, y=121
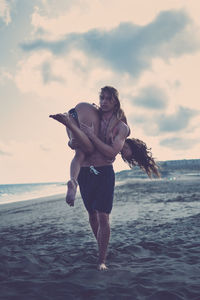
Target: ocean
x=170, y=171
x=18, y=192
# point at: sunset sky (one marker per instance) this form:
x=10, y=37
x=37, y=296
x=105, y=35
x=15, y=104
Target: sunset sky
x=56, y=53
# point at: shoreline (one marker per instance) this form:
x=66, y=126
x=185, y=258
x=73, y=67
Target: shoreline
x=125, y=177
x=32, y=200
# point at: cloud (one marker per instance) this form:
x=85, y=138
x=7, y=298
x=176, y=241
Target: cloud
x=5, y=153
x=44, y=148
x=177, y=143
x=5, y=11
x=47, y=74
x=51, y=7
x=151, y=97
x=177, y=121
x=65, y=79
x=29, y=162
x=4, y=76
x=56, y=47
x=34, y=74
x=129, y=48
x=158, y=124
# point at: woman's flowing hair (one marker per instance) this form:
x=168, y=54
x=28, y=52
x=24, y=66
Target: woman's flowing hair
x=142, y=157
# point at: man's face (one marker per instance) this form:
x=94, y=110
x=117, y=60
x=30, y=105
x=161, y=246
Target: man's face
x=126, y=151
x=107, y=103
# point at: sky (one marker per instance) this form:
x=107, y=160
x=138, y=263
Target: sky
x=54, y=54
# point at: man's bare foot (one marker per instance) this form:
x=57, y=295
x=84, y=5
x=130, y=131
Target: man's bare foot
x=102, y=267
x=71, y=192
x=62, y=118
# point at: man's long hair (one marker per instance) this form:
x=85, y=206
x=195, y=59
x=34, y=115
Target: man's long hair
x=142, y=157
x=115, y=95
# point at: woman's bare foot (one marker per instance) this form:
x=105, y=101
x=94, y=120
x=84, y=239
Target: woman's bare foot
x=62, y=118
x=102, y=267
x=71, y=192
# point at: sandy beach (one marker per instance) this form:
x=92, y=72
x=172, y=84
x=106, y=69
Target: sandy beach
x=48, y=250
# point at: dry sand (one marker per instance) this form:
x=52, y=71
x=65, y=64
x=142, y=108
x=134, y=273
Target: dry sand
x=48, y=251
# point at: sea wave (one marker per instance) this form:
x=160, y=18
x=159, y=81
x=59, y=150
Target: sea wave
x=20, y=192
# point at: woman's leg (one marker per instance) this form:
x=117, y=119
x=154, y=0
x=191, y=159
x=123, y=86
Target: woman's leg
x=82, y=139
x=77, y=139
x=74, y=172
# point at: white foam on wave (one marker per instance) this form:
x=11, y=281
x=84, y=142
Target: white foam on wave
x=40, y=191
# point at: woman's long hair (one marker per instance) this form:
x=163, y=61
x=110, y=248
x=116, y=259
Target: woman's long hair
x=142, y=157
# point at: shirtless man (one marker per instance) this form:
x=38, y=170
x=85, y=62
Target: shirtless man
x=96, y=178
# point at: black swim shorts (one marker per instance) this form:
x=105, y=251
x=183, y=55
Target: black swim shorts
x=97, y=188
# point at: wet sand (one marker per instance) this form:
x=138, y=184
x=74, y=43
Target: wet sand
x=48, y=251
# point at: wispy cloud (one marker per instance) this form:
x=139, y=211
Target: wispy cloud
x=130, y=48
x=4, y=153
x=151, y=97
x=177, y=121
x=44, y=148
x=158, y=124
x=48, y=75
x=5, y=12
x=177, y=143
x=5, y=75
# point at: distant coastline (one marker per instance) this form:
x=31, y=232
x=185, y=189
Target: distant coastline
x=181, y=163
x=168, y=168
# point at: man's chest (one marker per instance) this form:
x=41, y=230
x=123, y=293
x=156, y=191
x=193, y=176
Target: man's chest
x=108, y=131
x=103, y=130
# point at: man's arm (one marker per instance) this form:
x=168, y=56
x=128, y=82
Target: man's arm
x=110, y=151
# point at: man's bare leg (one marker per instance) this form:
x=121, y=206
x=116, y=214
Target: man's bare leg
x=103, y=236
x=94, y=223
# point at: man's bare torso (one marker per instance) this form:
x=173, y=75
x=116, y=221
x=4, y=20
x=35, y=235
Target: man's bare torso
x=97, y=158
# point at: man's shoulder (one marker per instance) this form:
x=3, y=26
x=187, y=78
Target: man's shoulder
x=122, y=127
x=119, y=129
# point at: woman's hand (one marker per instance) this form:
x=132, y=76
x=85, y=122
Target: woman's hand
x=88, y=130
